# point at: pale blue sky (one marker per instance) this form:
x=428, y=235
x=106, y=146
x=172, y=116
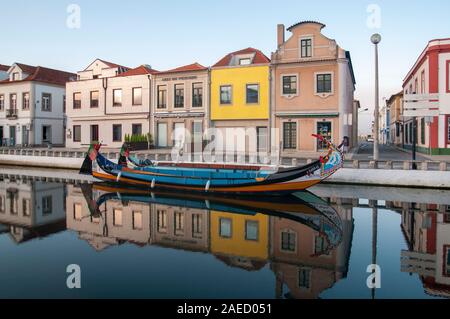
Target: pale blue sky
x=167, y=34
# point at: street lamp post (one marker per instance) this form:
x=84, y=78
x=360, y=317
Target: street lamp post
x=376, y=38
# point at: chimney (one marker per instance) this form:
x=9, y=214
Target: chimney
x=280, y=34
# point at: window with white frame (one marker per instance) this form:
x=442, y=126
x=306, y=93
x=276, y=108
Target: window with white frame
x=2, y=102
x=306, y=48
x=46, y=102
x=225, y=94
x=289, y=84
x=324, y=83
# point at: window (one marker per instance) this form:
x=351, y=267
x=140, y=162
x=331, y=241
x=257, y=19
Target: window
x=323, y=83
x=225, y=94
x=422, y=82
x=26, y=207
x=136, y=129
x=46, y=205
x=252, y=93
x=94, y=133
x=46, y=102
x=2, y=204
x=288, y=241
x=179, y=95
x=117, y=132
x=197, y=94
x=137, y=220
x=64, y=104
x=324, y=129
x=422, y=130
x=137, y=96
x=13, y=101
x=162, y=134
x=2, y=102
x=77, y=212
x=117, y=217
x=16, y=76
x=289, y=135
x=117, y=97
x=416, y=85
x=320, y=245
x=406, y=133
x=26, y=101
x=225, y=227
x=77, y=133
x=162, y=97
x=304, y=278
x=94, y=99
x=245, y=61
x=251, y=230
x=306, y=48
x=77, y=100
x=179, y=224
x=197, y=226
x=161, y=216
x=289, y=84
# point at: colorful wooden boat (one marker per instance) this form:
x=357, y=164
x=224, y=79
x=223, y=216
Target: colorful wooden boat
x=301, y=207
x=213, y=177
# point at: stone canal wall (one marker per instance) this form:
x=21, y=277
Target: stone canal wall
x=382, y=173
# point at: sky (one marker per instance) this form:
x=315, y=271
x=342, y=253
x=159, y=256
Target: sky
x=167, y=34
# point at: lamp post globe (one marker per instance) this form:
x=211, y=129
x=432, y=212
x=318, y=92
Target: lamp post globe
x=375, y=38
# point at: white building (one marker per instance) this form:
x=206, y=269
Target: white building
x=32, y=105
x=107, y=102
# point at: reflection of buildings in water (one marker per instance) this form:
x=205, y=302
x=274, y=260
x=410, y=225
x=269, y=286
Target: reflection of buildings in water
x=427, y=230
x=240, y=240
x=247, y=241
x=300, y=259
x=30, y=209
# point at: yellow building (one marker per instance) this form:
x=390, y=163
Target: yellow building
x=240, y=240
x=240, y=99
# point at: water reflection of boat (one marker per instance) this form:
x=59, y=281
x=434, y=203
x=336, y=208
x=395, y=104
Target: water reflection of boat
x=301, y=207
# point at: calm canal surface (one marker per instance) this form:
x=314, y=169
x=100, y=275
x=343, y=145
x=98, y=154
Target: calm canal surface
x=130, y=243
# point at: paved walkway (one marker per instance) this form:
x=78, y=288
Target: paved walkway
x=386, y=153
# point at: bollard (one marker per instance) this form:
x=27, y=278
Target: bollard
x=308, y=161
x=355, y=164
x=373, y=164
x=388, y=165
x=294, y=162
x=443, y=166
x=424, y=166
x=156, y=157
x=406, y=165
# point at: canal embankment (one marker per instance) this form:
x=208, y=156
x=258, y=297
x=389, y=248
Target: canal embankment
x=429, y=174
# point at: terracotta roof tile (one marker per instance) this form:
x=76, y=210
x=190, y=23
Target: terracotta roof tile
x=41, y=74
x=306, y=22
x=259, y=58
x=140, y=70
x=112, y=65
x=186, y=68
x=4, y=67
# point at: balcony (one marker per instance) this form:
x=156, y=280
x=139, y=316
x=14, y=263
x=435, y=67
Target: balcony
x=11, y=114
x=421, y=105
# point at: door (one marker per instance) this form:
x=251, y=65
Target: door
x=46, y=134
x=324, y=129
x=162, y=134
x=197, y=136
x=261, y=138
x=1, y=136
x=12, y=136
x=25, y=135
x=94, y=133
x=179, y=135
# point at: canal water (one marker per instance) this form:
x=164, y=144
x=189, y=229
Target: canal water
x=136, y=243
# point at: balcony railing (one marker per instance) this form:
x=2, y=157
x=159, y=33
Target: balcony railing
x=11, y=113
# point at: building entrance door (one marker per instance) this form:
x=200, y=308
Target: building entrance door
x=25, y=135
x=12, y=136
x=324, y=129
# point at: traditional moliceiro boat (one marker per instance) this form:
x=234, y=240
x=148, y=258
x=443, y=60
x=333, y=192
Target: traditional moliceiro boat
x=212, y=177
